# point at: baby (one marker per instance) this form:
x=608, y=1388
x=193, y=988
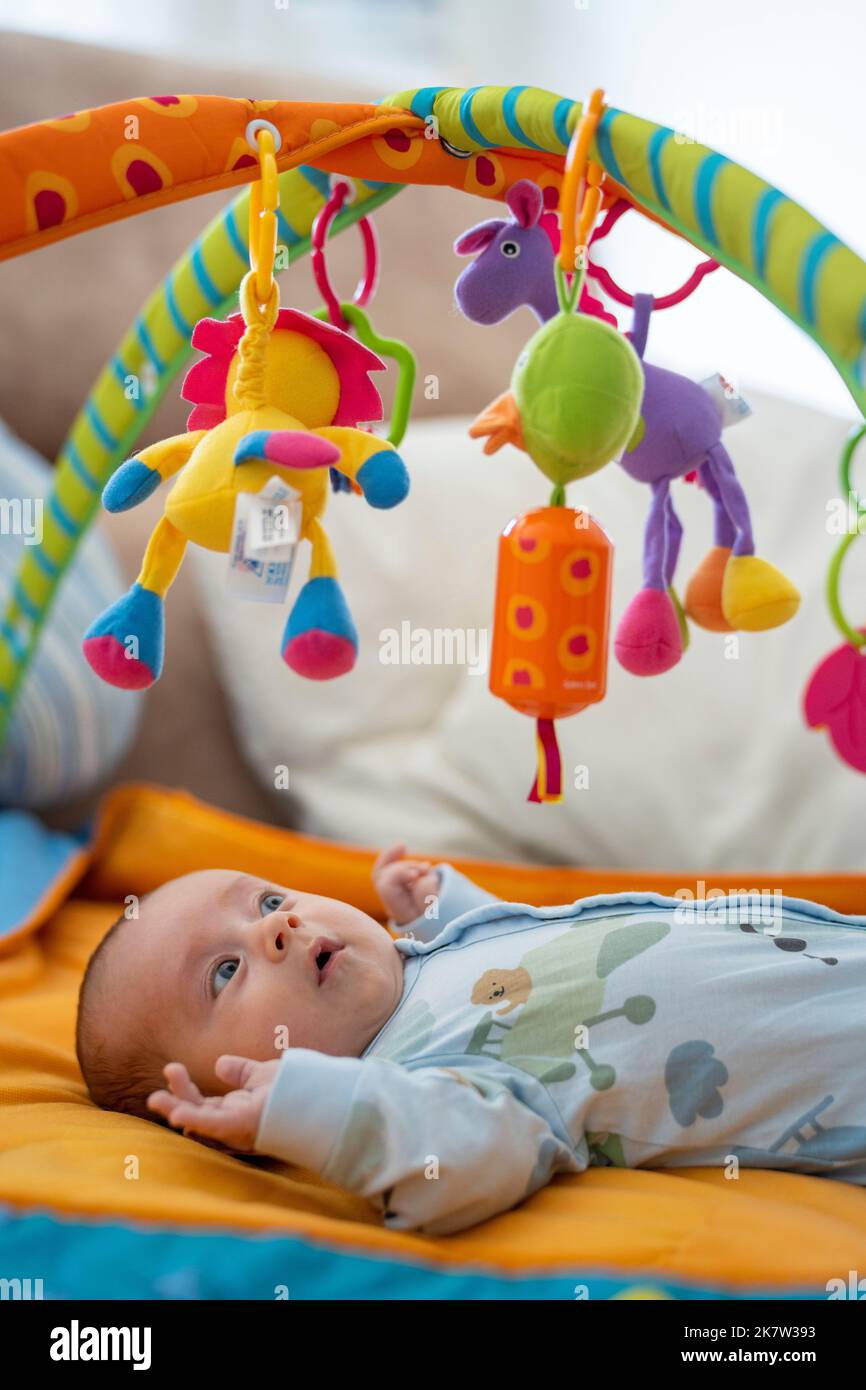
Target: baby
x=449, y=1070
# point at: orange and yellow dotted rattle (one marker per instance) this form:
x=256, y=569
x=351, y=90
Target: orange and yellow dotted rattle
x=551, y=625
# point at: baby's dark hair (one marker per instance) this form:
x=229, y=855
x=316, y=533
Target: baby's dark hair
x=120, y=1073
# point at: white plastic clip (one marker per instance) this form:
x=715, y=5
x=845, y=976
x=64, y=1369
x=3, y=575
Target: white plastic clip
x=255, y=126
x=334, y=181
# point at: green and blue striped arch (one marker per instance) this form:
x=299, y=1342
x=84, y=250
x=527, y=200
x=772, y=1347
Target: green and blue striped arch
x=723, y=209
x=745, y=223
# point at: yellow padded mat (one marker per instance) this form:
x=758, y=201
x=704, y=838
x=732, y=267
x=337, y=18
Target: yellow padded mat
x=58, y=1152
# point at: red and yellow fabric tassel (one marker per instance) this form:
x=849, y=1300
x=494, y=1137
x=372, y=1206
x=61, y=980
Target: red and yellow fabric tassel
x=548, y=782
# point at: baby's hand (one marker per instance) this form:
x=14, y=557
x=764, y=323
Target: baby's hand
x=404, y=885
x=232, y=1119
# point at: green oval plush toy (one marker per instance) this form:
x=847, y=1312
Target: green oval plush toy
x=576, y=393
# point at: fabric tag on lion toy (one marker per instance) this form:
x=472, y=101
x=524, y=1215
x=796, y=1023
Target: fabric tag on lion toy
x=732, y=407
x=275, y=524
x=256, y=577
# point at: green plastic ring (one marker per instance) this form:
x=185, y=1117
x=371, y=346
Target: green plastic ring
x=568, y=296
x=398, y=351
x=856, y=638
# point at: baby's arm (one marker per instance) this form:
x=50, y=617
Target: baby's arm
x=434, y=1148
x=421, y=898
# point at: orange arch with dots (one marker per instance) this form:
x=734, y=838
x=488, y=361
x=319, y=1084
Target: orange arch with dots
x=69, y=174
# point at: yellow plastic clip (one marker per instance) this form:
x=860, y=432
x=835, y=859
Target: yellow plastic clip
x=573, y=232
x=264, y=200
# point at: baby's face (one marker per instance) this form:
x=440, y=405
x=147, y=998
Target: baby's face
x=221, y=962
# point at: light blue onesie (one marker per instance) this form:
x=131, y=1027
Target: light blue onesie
x=628, y=1029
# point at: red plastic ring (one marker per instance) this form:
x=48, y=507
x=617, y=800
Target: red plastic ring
x=366, y=286
x=621, y=296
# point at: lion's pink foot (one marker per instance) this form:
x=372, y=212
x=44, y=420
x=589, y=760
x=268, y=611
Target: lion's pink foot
x=124, y=646
x=320, y=640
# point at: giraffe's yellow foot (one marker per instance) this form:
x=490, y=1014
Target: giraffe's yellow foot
x=757, y=596
x=704, y=591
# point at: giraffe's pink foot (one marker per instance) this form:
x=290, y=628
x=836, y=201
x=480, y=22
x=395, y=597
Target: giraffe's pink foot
x=648, y=639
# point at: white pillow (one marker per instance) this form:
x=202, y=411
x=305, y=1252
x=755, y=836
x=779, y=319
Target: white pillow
x=709, y=766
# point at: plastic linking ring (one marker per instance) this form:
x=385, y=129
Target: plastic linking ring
x=366, y=287
x=264, y=200
x=621, y=296
x=858, y=503
x=580, y=173
x=583, y=188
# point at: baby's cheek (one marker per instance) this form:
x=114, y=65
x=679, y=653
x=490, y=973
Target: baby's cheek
x=273, y=1031
x=252, y=1029
x=279, y=1023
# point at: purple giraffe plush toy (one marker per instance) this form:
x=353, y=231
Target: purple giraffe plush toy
x=679, y=433
x=516, y=263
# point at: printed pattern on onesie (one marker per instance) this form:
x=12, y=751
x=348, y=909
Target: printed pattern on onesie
x=664, y=1035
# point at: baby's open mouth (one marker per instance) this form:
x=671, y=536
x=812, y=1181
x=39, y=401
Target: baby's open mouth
x=324, y=955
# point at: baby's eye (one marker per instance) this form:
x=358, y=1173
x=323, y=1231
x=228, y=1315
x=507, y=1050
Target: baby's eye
x=271, y=902
x=223, y=973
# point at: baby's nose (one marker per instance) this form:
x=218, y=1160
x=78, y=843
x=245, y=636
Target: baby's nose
x=277, y=931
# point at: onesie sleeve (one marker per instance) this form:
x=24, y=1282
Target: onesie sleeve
x=457, y=894
x=433, y=1148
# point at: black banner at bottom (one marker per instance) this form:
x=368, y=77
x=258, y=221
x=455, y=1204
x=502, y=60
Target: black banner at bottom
x=236, y=1338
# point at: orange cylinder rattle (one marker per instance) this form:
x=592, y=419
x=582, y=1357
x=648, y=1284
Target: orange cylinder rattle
x=551, y=625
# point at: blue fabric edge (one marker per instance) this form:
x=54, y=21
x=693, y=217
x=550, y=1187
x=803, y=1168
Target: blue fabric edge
x=86, y=1260
x=31, y=859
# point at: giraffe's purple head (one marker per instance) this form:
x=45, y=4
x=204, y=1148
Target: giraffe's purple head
x=515, y=264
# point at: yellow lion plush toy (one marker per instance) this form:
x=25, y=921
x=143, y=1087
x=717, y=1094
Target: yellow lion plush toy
x=278, y=391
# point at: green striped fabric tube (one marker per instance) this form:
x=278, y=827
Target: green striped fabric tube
x=482, y=118
x=751, y=228
x=741, y=220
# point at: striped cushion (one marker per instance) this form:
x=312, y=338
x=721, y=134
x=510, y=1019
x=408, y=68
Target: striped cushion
x=68, y=728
